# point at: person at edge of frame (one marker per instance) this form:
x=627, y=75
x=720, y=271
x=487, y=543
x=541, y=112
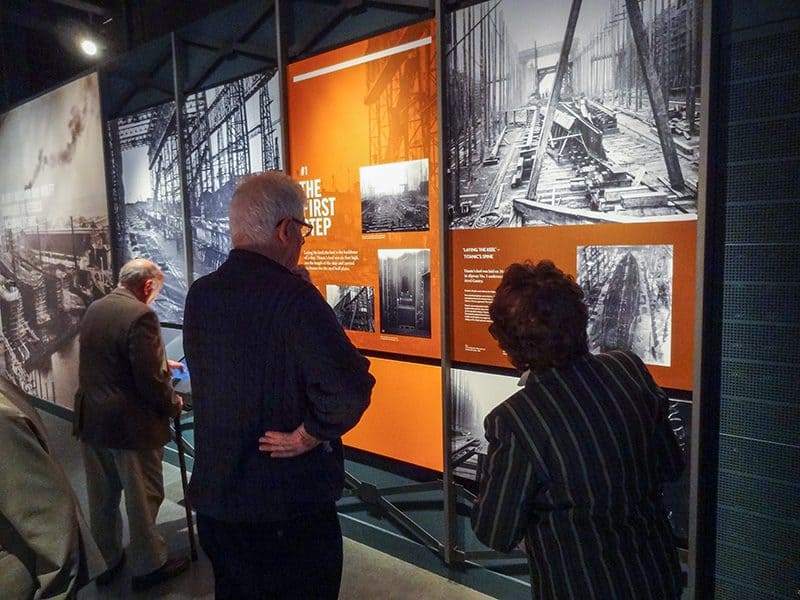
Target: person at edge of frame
x=122, y=410
x=577, y=458
x=275, y=384
x=46, y=548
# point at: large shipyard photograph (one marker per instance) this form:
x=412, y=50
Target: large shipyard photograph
x=55, y=249
x=586, y=112
x=146, y=186
x=233, y=130
x=49, y=273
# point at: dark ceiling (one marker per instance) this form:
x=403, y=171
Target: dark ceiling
x=39, y=38
x=219, y=40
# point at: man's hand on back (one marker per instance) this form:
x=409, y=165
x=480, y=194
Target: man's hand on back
x=286, y=445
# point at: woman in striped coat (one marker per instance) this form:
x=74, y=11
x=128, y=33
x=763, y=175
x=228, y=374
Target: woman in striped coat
x=577, y=458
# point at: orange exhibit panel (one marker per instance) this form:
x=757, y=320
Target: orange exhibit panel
x=556, y=150
x=363, y=144
x=404, y=420
x=639, y=281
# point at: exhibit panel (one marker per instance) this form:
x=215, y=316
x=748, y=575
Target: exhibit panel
x=232, y=130
x=474, y=394
x=572, y=135
x=639, y=285
x=55, y=255
x=147, y=201
x=404, y=419
x=363, y=142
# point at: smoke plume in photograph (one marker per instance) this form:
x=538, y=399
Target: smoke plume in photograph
x=405, y=289
x=394, y=197
x=55, y=252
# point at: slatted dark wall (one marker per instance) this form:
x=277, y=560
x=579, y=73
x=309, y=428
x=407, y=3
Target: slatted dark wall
x=756, y=121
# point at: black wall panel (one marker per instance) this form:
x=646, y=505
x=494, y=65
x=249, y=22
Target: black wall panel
x=756, y=126
x=777, y=499
x=759, y=381
x=761, y=419
x=756, y=573
x=763, y=181
x=773, y=223
x=763, y=534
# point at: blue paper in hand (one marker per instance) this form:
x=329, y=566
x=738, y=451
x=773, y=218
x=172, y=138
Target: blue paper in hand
x=179, y=375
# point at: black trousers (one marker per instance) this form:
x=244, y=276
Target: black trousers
x=299, y=558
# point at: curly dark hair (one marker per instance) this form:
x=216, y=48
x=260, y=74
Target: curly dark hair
x=539, y=317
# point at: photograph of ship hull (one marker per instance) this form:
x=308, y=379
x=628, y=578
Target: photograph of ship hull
x=474, y=395
x=618, y=108
x=405, y=288
x=55, y=252
x=233, y=130
x=394, y=197
x=353, y=305
x=147, y=200
x=629, y=295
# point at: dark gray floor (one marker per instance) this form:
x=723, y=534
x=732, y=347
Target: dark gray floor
x=368, y=573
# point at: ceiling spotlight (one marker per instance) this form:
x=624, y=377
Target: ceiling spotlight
x=88, y=47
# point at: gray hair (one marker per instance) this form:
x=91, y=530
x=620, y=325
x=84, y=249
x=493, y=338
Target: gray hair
x=136, y=271
x=260, y=202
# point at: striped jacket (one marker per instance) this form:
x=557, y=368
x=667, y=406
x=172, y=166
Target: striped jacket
x=575, y=465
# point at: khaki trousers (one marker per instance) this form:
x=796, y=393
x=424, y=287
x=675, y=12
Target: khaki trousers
x=109, y=472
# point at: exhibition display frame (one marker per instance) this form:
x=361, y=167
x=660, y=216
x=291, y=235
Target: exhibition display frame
x=272, y=36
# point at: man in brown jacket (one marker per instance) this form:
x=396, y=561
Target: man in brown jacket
x=122, y=410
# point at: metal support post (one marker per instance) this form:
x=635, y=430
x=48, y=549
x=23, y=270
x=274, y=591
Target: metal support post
x=185, y=484
x=283, y=83
x=449, y=492
x=180, y=133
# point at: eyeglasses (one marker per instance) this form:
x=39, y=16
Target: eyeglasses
x=305, y=228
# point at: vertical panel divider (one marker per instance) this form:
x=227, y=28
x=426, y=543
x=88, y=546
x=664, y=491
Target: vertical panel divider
x=448, y=487
x=110, y=172
x=178, y=80
x=704, y=438
x=283, y=88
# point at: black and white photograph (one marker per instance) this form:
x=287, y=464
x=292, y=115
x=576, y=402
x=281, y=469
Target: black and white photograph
x=147, y=200
x=394, y=197
x=354, y=306
x=55, y=252
x=405, y=292
x=676, y=493
x=629, y=295
x=232, y=130
x=552, y=120
x=474, y=396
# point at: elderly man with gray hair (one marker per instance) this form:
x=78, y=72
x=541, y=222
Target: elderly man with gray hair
x=122, y=410
x=275, y=384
